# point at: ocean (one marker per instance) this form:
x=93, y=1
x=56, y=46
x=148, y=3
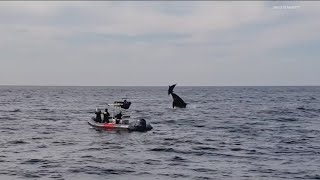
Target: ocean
x=224, y=133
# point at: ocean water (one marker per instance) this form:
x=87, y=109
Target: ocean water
x=224, y=133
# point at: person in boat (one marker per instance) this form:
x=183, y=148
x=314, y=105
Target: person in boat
x=98, y=115
x=106, y=116
x=118, y=117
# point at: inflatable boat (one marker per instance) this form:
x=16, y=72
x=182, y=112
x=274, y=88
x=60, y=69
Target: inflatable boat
x=115, y=124
x=118, y=121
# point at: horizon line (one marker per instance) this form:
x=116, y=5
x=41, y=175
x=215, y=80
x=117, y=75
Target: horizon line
x=3, y=85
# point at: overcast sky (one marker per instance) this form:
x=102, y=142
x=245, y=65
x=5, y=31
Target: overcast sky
x=159, y=43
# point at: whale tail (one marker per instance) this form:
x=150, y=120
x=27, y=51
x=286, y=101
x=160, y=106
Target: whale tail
x=177, y=101
x=170, y=90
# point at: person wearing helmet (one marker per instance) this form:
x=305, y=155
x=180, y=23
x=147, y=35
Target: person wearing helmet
x=106, y=116
x=98, y=116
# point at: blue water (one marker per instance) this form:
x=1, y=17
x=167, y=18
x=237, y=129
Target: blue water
x=224, y=133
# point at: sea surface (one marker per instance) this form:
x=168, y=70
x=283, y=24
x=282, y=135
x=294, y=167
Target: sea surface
x=224, y=133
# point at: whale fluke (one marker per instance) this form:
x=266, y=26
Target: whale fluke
x=170, y=90
x=177, y=101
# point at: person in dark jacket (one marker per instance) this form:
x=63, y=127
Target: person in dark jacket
x=106, y=116
x=118, y=118
x=98, y=116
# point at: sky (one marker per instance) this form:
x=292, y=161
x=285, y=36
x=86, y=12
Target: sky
x=158, y=43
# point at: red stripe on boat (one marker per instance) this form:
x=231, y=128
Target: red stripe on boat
x=109, y=125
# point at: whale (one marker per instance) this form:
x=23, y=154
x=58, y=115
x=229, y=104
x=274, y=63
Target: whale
x=170, y=90
x=177, y=101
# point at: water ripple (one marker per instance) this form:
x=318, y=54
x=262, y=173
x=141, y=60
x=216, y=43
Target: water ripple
x=224, y=133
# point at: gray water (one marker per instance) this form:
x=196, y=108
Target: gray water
x=224, y=133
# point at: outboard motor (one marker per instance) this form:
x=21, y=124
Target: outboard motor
x=140, y=125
